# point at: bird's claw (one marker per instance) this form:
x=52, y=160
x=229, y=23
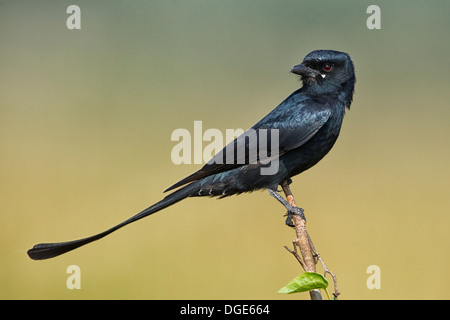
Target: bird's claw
x=289, y=220
x=290, y=215
x=291, y=210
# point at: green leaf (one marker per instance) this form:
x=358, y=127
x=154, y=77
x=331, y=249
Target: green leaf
x=305, y=282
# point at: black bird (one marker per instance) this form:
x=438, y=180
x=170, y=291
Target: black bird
x=306, y=124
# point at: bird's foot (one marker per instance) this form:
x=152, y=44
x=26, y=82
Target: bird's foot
x=290, y=216
x=291, y=210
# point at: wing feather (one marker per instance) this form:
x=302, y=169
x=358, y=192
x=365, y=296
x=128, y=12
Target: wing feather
x=293, y=122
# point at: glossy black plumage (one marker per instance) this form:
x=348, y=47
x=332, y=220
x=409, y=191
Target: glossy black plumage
x=307, y=122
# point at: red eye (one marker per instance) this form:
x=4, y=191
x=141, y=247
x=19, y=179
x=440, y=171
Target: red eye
x=327, y=67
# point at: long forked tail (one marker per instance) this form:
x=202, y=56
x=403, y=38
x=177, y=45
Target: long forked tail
x=49, y=250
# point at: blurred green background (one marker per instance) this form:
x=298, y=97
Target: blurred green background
x=86, y=118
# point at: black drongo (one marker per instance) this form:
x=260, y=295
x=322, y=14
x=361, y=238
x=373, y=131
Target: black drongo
x=306, y=124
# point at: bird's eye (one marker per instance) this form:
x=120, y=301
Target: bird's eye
x=327, y=67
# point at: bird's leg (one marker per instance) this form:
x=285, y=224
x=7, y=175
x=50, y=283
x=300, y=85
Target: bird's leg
x=290, y=198
x=292, y=210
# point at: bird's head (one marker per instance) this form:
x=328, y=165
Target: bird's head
x=325, y=71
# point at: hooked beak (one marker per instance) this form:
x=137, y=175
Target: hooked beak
x=305, y=71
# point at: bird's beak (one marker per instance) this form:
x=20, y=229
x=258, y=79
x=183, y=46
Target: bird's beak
x=305, y=71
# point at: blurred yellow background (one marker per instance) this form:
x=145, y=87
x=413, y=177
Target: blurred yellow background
x=86, y=118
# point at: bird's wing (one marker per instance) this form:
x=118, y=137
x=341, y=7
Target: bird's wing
x=292, y=124
x=297, y=128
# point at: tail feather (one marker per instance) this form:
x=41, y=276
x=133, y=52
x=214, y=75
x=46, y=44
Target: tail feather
x=49, y=250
